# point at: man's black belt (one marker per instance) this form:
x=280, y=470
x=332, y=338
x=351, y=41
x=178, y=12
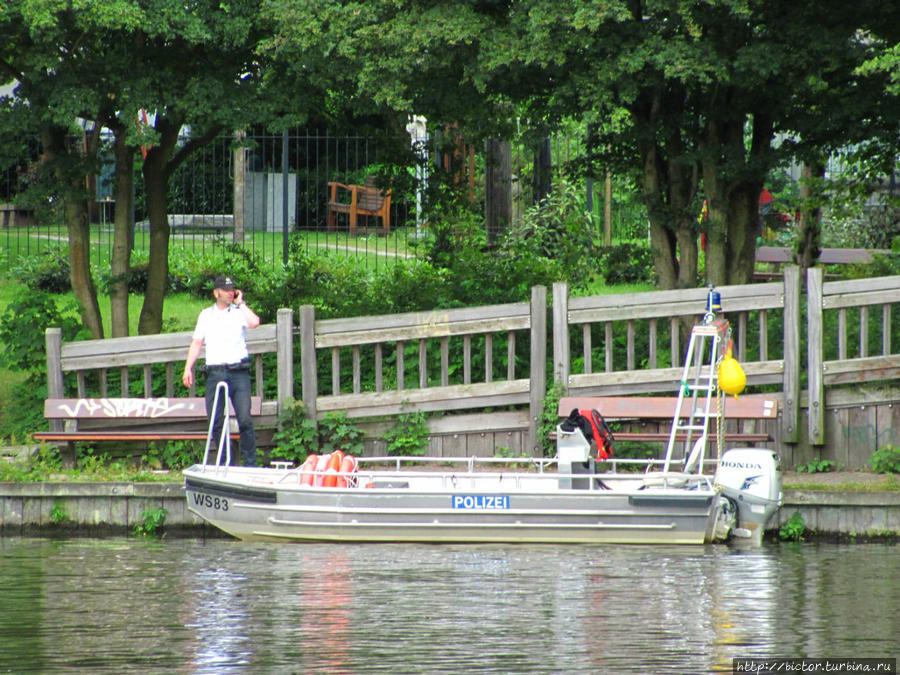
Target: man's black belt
x=243, y=364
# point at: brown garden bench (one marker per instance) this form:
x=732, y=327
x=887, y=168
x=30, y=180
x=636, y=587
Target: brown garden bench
x=129, y=420
x=359, y=200
x=657, y=412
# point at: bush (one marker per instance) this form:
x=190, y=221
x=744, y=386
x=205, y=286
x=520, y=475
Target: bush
x=409, y=435
x=627, y=263
x=47, y=271
x=297, y=436
x=22, y=329
x=793, y=529
x=549, y=419
x=886, y=460
x=337, y=432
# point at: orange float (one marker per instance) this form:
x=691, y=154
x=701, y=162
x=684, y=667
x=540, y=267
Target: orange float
x=307, y=469
x=332, y=468
x=321, y=464
x=349, y=466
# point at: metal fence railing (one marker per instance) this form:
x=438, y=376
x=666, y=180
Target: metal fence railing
x=293, y=167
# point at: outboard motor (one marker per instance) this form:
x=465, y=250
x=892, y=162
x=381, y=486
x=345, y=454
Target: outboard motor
x=751, y=479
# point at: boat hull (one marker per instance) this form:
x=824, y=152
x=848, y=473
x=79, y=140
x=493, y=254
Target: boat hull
x=264, y=505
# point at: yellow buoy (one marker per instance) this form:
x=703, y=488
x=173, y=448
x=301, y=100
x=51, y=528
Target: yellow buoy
x=732, y=379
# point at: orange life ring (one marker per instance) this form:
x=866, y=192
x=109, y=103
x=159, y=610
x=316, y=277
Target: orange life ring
x=306, y=471
x=332, y=468
x=349, y=466
x=321, y=464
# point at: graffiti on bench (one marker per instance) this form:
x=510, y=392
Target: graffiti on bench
x=150, y=408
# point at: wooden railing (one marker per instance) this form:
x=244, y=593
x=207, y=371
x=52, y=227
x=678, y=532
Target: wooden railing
x=612, y=316
x=601, y=346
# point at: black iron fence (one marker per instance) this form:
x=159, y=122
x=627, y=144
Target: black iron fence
x=257, y=189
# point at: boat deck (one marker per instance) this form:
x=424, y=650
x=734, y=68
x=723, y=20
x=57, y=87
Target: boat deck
x=441, y=475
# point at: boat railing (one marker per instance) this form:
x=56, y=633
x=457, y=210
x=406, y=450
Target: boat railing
x=463, y=469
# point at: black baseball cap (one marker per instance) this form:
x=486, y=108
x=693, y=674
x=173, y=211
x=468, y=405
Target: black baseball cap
x=224, y=282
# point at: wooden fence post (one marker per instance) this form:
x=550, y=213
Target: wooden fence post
x=538, y=385
x=561, y=362
x=309, y=376
x=815, y=335
x=790, y=409
x=284, y=350
x=53, y=344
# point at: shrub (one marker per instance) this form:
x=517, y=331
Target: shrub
x=152, y=521
x=22, y=328
x=817, y=466
x=172, y=455
x=297, y=436
x=886, y=460
x=47, y=271
x=558, y=229
x=408, y=436
x=793, y=529
x=337, y=432
x=634, y=450
x=549, y=419
x=627, y=263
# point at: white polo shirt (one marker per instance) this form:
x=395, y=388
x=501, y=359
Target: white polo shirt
x=223, y=332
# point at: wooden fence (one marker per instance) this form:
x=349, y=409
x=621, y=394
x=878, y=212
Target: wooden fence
x=487, y=368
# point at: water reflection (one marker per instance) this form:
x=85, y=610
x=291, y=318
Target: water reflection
x=123, y=605
x=219, y=620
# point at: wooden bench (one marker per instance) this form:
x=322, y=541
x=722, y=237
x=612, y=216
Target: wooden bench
x=659, y=410
x=365, y=200
x=129, y=419
x=15, y=216
x=776, y=256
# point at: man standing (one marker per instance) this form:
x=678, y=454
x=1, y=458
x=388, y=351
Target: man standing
x=223, y=328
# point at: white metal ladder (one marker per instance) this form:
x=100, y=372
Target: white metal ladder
x=225, y=435
x=699, y=385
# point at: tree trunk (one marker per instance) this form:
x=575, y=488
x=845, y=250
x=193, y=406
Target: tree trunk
x=807, y=248
x=669, y=189
x=543, y=170
x=662, y=240
x=733, y=181
x=497, y=188
x=67, y=168
x=156, y=178
x=160, y=163
x=744, y=228
x=120, y=263
x=240, y=184
x=733, y=227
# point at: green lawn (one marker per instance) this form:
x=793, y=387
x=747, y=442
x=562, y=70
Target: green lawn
x=266, y=246
x=180, y=310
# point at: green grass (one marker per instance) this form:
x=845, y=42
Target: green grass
x=891, y=485
x=180, y=310
x=373, y=248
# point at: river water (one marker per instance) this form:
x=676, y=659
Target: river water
x=126, y=605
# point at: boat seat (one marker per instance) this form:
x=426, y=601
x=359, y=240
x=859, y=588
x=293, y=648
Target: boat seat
x=668, y=481
x=388, y=484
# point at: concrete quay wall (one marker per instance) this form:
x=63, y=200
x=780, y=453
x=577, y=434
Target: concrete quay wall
x=116, y=508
